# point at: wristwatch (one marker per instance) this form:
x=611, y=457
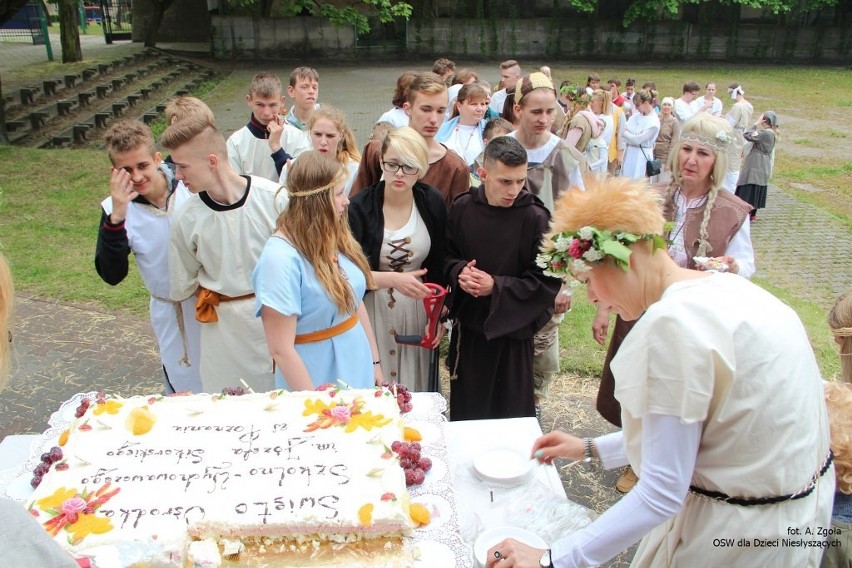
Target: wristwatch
x=545, y=561
x=588, y=450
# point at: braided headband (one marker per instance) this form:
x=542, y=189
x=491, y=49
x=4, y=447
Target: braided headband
x=335, y=182
x=533, y=81
x=718, y=143
x=842, y=332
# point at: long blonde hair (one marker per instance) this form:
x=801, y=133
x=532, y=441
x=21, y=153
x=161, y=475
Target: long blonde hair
x=840, y=322
x=312, y=224
x=7, y=303
x=709, y=131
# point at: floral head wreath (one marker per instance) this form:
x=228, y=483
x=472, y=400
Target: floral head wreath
x=571, y=252
x=718, y=143
x=572, y=92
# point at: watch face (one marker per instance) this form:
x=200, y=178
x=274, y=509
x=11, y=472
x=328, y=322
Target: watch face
x=545, y=560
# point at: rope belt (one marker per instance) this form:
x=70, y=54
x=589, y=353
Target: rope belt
x=205, y=304
x=181, y=328
x=749, y=501
x=329, y=332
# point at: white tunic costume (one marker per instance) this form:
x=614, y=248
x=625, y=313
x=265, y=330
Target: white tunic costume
x=148, y=229
x=250, y=155
x=640, y=135
x=726, y=372
x=217, y=246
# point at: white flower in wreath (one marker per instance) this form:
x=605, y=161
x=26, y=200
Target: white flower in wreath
x=724, y=137
x=578, y=266
x=542, y=260
x=593, y=255
x=586, y=233
x=562, y=243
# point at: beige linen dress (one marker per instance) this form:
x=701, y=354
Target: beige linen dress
x=722, y=351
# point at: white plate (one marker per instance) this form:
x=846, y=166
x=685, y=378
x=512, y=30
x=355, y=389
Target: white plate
x=491, y=537
x=503, y=465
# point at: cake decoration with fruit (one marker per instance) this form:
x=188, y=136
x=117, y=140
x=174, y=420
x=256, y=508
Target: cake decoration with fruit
x=311, y=478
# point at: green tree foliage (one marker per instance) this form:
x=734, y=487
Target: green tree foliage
x=654, y=10
x=355, y=14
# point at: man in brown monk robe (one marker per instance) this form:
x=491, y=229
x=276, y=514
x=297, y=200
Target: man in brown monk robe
x=500, y=297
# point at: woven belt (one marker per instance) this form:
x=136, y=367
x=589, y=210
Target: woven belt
x=181, y=327
x=750, y=501
x=329, y=332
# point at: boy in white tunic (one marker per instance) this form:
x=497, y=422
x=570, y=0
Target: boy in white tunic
x=216, y=241
x=137, y=217
x=267, y=142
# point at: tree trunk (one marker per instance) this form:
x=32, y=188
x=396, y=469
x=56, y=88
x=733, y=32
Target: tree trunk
x=4, y=136
x=69, y=31
x=152, y=31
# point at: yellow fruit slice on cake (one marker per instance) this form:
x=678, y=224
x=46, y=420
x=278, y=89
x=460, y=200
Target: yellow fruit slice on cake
x=365, y=514
x=140, y=421
x=411, y=434
x=419, y=514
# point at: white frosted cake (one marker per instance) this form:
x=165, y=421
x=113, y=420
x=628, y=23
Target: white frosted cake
x=267, y=479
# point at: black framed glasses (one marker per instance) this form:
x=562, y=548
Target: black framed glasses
x=393, y=167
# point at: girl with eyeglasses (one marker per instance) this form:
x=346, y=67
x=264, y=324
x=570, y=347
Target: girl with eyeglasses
x=400, y=223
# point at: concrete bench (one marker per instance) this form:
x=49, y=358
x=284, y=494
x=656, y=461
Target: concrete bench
x=182, y=93
x=161, y=107
x=150, y=117
x=84, y=97
x=134, y=98
x=89, y=74
x=117, y=83
x=15, y=125
x=103, y=91
x=118, y=108
x=29, y=94
x=102, y=119
x=104, y=68
x=38, y=119
x=60, y=141
x=145, y=92
x=80, y=131
x=71, y=80
x=65, y=107
x=50, y=85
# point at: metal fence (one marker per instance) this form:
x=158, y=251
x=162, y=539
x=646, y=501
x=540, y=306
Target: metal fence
x=26, y=26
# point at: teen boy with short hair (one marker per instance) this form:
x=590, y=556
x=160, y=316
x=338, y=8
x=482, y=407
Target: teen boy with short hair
x=426, y=105
x=500, y=296
x=267, y=142
x=216, y=241
x=137, y=217
x=304, y=90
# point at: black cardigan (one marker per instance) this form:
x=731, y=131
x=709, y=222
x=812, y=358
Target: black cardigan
x=367, y=222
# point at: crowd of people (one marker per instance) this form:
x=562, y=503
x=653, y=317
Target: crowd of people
x=287, y=258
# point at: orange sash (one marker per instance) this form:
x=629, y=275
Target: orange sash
x=205, y=304
x=329, y=332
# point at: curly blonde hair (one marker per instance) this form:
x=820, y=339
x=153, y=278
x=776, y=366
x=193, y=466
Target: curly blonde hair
x=316, y=230
x=840, y=322
x=609, y=203
x=708, y=127
x=838, y=399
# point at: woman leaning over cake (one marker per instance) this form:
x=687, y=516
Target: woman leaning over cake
x=309, y=282
x=730, y=440
x=640, y=134
x=669, y=131
x=463, y=132
x=400, y=223
x=22, y=540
